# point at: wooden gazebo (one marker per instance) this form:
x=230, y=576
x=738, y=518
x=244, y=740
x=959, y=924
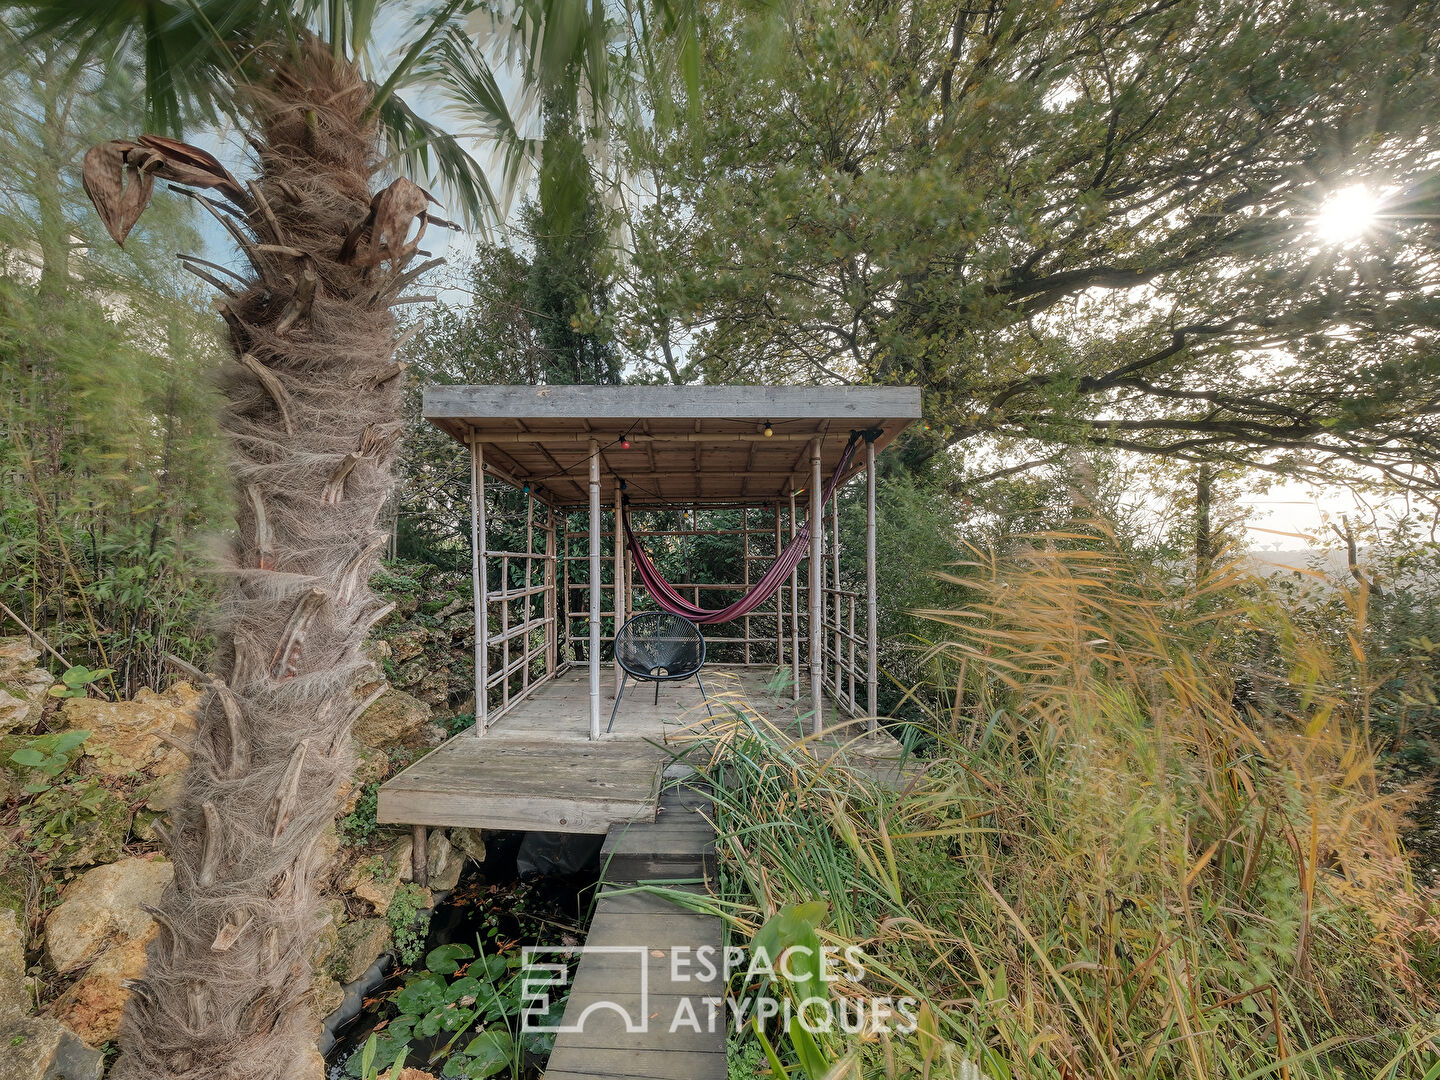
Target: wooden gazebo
x=690, y=462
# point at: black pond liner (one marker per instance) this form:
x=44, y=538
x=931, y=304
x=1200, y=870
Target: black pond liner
x=482, y=905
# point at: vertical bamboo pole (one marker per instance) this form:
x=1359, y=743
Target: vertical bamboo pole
x=779, y=600
x=618, y=585
x=504, y=632
x=835, y=659
x=745, y=571
x=552, y=607
x=817, y=590
x=872, y=611
x=528, y=600
x=477, y=584
x=594, y=589
x=794, y=610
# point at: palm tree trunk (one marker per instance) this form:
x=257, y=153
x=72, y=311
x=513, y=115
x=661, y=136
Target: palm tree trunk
x=312, y=417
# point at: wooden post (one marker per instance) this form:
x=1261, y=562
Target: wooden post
x=618, y=585
x=794, y=609
x=552, y=606
x=817, y=592
x=594, y=589
x=779, y=600
x=835, y=580
x=419, y=855
x=872, y=613
x=478, y=585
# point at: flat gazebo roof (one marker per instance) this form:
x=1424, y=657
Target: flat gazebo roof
x=687, y=443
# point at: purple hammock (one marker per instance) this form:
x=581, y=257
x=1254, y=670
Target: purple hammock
x=781, y=569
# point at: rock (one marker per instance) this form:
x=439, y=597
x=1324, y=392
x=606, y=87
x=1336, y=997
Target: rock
x=327, y=941
x=325, y=994
x=410, y=674
x=393, y=716
x=96, y=834
x=39, y=1048
x=434, y=688
x=452, y=607
x=93, y=1006
x=360, y=942
x=407, y=644
x=103, y=906
x=470, y=843
x=442, y=862
x=432, y=734
x=14, y=998
x=374, y=765
x=23, y=685
x=375, y=879
x=123, y=733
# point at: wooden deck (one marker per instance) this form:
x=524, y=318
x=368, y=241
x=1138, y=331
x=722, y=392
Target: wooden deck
x=537, y=770
x=608, y=1000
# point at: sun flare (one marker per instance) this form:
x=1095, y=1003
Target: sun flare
x=1346, y=214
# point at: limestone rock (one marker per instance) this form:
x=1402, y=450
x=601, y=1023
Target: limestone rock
x=434, y=688
x=104, y=906
x=432, y=734
x=375, y=879
x=93, y=1006
x=327, y=941
x=393, y=716
x=14, y=998
x=442, y=862
x=374, y=765
x=38, y=1048
x=96, y=836
x=407, y=644
x=23, y=685
x=470, y=843
x=325, y=994
x=123, y=733
x=360, y=942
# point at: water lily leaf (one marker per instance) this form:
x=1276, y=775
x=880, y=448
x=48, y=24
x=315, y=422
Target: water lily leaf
x=445, y=960
x=489, y=1053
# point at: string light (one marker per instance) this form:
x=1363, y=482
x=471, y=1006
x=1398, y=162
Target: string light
x=769, y=431
x=624, y=443
x=525, y=489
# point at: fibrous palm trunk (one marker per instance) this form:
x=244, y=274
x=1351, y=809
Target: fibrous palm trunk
x=313, y=415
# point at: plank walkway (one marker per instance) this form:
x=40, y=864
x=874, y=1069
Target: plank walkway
x=536, y=769
x=608, y=1000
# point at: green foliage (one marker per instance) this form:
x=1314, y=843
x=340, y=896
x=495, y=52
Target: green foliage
x=458, y=996
x=1100, y=840
x=79, y=823
x=744, y=1058
x=109, y=471
x=49, y=754
x=360, y=824
x=1069, y=223
x=409, y=921
x=75, y=681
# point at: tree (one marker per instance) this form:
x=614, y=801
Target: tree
x=312, y=418
x=1084, y=223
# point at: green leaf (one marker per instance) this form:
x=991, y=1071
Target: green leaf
x=811, y=1059
x=29, y=757
x=490, y=1052
x=421, y=995
x=445, y=959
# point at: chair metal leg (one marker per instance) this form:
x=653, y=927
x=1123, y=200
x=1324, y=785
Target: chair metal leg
x=708, y=711
x=657, y=691
x=618, y=696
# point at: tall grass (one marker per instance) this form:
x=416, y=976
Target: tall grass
x=1106, y=860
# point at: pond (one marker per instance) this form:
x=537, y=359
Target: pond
x=456, y=1013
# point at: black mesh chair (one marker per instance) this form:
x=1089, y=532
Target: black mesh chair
x=659, y=647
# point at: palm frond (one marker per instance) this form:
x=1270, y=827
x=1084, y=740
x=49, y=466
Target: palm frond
x=418, y=147
x=472, y=91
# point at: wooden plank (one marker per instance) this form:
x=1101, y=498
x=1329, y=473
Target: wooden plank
x=758, y=403
x=636, y=1065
